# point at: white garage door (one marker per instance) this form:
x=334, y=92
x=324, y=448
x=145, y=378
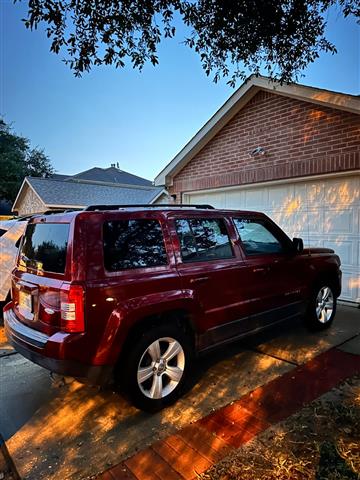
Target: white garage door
x=324, y=212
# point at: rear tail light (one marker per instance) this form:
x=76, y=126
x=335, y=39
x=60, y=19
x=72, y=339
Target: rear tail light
x=72, y=308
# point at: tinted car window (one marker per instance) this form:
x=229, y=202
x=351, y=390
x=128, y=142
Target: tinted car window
x=256, y=238
x=44, y=246
x=203, y=239
x=133, y=244
x=2, y=231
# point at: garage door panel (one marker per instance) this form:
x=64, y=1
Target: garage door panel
x=311, y=241
x=309, y=195
x=342, y=192
x=281, y=197
x=350, y=285
x=255, y=198
x=339, y=220
x=234, y=198
x=345, y=249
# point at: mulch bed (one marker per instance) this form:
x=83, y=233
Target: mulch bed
x=320, y=442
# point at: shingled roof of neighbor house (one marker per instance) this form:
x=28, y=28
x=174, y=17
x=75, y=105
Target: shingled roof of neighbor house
x=63, y=193
x=105, y=175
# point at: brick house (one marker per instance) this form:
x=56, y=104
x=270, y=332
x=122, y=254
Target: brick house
x=291, y=151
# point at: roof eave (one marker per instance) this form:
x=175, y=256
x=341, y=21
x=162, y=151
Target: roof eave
x=158, y=195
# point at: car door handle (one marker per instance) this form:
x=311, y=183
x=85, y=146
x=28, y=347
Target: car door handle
x=261, y=269
x=199, y=280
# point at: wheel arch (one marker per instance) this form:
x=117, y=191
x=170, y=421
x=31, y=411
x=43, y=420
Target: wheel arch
x=182, y=317
x=331, y=278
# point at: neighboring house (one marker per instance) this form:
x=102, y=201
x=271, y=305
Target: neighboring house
x=290, y=151
x=94, y=186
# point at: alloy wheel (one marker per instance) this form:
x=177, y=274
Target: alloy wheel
x=161, y=368
x=324, y=304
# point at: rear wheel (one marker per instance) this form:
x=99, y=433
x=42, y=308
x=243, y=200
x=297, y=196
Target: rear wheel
x=155, y=367
x=322, y=307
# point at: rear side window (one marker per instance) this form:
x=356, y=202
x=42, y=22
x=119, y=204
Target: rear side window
x=256, y=238
x=44, y=247
x=203, y=239
x=133, y=244
x=2, y=231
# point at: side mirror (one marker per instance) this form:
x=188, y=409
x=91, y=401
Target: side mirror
x=298, y=245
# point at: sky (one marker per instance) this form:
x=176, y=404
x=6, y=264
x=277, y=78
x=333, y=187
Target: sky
x=141, y=120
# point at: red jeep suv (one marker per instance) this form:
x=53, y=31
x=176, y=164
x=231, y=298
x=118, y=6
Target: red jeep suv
x=132, y=294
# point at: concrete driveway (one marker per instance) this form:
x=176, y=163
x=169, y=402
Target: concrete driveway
x=72, y=431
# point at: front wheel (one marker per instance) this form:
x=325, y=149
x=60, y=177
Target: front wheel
x=322, y=307
x=156, y=367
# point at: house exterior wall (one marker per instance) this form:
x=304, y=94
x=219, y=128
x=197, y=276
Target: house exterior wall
x=163, y=199
x=30, y=203
x=300, y=139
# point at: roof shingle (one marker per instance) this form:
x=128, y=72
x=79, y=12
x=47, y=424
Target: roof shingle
x=81, y=194
x=110, y=175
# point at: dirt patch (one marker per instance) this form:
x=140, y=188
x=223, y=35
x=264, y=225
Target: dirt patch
x=321, y=442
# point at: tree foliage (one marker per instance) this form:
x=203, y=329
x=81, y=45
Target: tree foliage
x=282, y=36
x=18, y=160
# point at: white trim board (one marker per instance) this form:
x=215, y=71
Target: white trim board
x=323, y=176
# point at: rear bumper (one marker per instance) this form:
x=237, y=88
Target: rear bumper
x=32, y=345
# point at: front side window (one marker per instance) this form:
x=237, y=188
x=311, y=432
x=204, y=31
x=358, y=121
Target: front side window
x=203, y=239
x=256, y=238
x=133, y=244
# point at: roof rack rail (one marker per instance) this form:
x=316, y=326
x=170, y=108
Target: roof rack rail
x=60, y=210
x=93, y=208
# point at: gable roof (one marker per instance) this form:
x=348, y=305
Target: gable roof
x=254, y=84
x=109, y=175
x=63, y=194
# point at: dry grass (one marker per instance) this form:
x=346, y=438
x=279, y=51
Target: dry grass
x=321, y=442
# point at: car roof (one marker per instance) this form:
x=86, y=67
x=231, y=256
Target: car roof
x=167, y=210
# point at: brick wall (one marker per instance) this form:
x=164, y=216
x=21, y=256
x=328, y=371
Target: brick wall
x=299, y=138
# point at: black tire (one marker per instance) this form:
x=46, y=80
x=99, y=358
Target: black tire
x=320, y=315
x=137, y=356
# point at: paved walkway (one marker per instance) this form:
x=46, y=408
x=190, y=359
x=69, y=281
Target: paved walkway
x=195, y=448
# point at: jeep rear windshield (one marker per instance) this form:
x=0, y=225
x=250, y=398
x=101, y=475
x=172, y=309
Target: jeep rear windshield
x=44, y=247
